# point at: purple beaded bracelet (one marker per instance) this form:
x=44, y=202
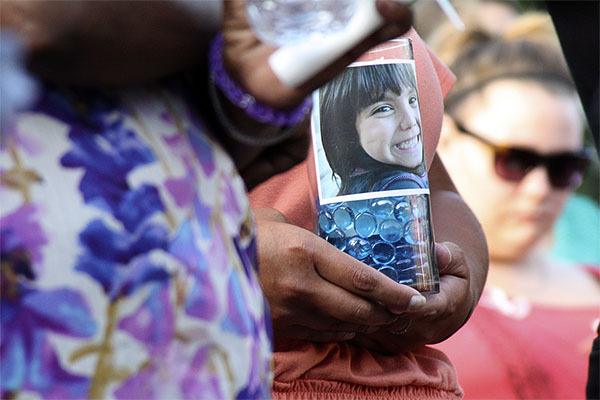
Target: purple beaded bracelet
x=245, y=101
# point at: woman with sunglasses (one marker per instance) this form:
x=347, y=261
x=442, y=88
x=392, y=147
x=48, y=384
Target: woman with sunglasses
x=512, y=141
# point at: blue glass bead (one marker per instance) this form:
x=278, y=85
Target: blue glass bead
x=358, y=206
x=365, y=224
x=389, y=272
x=332, y=206
x=349, y=232
x=383, y=253
x=404, y=252
x=391, y=230
x=343, y=217
x=337, y=239
x=326, y=222
x=411, y=232
x=404, y=265
x=358, y=248
x=402, y=211
x=382, y=207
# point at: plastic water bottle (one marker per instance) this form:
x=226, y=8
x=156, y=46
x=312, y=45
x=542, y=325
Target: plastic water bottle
x=285, y=22
x=311, y=34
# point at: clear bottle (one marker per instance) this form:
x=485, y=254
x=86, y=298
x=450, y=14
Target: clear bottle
x=369, y=178
x=285, y=22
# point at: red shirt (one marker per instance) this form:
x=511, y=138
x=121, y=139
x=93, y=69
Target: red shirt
x=512, y=349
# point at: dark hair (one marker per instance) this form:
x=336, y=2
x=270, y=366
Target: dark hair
x=340, y=102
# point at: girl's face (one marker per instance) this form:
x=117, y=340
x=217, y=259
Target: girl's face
x=514, y=215
x=390, y=130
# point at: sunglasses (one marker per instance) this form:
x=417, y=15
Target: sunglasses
x=565, y=169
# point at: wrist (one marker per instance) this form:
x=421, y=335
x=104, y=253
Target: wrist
x=244, y=118
x=242, y=99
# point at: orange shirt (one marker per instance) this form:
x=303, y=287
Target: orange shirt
x=340, y=370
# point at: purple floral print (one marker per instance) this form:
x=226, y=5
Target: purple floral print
x=128, y=261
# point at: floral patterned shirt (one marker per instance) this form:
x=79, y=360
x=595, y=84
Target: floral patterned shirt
x=128, y=255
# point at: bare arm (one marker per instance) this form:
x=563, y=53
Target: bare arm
x=110, y=42
x=454, y=222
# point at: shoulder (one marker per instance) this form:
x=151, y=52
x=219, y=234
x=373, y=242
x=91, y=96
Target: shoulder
x=399, y=180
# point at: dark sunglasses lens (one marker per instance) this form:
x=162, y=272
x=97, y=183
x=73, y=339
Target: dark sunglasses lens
x=513, y=164
x=566, y=171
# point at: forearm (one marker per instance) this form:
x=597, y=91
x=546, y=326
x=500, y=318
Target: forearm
x=453, y=221
x=110, y=42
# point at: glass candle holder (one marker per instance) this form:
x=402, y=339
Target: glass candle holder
x=370, y=172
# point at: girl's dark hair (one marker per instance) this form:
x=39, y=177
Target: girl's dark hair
x=340, y=102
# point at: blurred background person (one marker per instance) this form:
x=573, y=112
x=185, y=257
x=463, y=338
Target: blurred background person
x=493, y=15
x=512, y=141
x=574, y=237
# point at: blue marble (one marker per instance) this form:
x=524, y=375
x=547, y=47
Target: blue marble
x=383, y=253
x=326, y=223
x=391, y=230
x=389, y=272
x=382, y=207
x=337, y=239
x=403, y=211
x=365, y=224
x=343, y=217
x=358, y=248
x=359, y=206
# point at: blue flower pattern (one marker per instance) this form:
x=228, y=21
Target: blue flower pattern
x=161, y=253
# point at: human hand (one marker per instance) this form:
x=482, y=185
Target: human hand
x=443, y=314
x=319, y=293
x=246, y=57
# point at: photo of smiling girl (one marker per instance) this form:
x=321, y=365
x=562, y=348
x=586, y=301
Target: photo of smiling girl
x=370, y=129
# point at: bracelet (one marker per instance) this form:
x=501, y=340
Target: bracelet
x=245, y=101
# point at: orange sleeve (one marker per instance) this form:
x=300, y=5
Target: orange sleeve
x=445, y=76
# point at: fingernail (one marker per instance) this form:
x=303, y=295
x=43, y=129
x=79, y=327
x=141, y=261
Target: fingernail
x=416, y=302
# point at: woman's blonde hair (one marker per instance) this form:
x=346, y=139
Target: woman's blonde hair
x=527, y=49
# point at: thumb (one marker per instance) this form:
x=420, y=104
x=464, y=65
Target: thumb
x=451, y=259
x=443, y=255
